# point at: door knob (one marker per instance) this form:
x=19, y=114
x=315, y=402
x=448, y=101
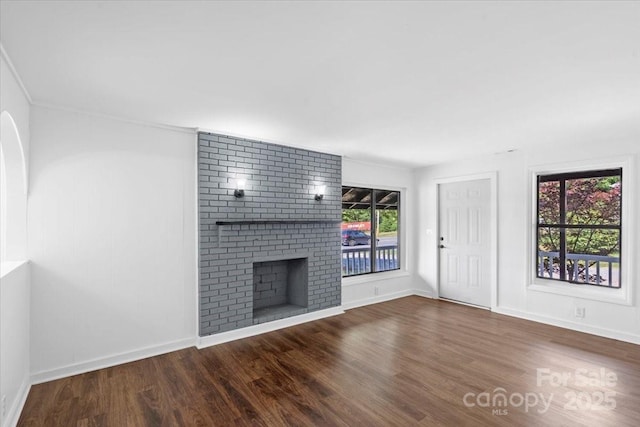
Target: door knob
x=441, y=246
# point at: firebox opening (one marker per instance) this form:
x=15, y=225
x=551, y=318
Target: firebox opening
x=280, y=288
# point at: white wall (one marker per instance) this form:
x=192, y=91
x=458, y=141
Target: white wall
x=371, y=288
x=112, y=241
x=14, y=279
x=514, y=296
x=14, y=303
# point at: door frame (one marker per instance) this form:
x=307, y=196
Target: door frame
x=493, y=232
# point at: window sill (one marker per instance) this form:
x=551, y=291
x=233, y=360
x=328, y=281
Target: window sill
x=7, y=267
x=608, y=295
x=374, y=277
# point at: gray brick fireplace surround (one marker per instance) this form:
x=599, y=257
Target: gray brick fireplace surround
x=275, y=252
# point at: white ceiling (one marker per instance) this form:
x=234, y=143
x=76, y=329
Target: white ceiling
x=412, y=83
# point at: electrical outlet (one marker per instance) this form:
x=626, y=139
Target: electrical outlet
x=376, y=290
x=579, y=312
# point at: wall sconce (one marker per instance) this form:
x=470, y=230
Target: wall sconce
x=239, y=191
x=320, y=190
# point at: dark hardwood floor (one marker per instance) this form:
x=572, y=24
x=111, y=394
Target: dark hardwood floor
x=411, y=361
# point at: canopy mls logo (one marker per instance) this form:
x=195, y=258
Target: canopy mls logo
x=585, y=398
x=499, y=401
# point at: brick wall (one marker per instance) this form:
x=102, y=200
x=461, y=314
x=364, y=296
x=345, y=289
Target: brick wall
x=269, y=283
x=280, y=185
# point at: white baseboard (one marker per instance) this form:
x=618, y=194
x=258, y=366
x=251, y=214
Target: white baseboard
x=13, y=415
x=377, y=299
x=453, y=301
x=561, y=323
x=109, y=361
x=423, y=294
x=387, y=297
x=249, y=331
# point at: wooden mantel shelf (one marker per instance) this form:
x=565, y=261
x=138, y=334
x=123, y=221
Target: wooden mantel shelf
x=278, y=221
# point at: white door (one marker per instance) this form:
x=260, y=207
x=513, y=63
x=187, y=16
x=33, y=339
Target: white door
x=464, y=241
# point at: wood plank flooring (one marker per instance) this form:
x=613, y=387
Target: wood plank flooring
x=408, y=362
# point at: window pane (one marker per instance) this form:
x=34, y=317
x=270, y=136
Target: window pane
x=387, y=257
x=593, y=257
x=549, y=202
x=594, y=201
x=548, y=259
x=356, y=231
x=548, y=239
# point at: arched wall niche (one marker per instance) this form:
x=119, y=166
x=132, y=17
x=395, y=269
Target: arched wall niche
x=13, y=192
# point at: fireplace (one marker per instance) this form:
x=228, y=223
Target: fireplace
x=280, y=288
x=275, y=252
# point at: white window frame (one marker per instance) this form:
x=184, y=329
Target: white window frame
x=623, y=295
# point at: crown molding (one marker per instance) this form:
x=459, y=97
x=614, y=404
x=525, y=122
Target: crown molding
x=15, y=74
x=191, y=131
